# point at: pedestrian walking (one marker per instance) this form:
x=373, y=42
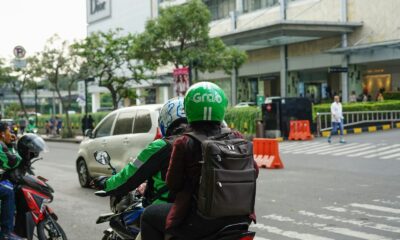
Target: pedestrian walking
x=84, y=124
x=22, y=125
x=59, y=125
x=337, y=119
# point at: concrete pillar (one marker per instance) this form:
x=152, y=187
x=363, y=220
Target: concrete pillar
x=138, y=101
x=95, y=102
x=345, y=61
x=283, y=73
x=239, y=6
x=234, y=78
x=164, y=94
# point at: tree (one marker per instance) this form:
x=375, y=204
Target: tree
x=57, y=63
x=19, y=80
x=107, y=58
x=180, y=36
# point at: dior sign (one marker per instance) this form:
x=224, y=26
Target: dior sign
x=98, y=9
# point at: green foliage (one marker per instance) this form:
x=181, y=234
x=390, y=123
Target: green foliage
x=180, y=36
x=105, y=54
x=12, y=110
x=361, y=106
x=391, y=95
x=243, y=119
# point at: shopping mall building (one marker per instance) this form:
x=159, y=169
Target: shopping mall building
x=312, y=48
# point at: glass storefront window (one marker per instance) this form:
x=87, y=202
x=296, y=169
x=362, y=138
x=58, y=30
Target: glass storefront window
x=252, y=5
x=220, y=8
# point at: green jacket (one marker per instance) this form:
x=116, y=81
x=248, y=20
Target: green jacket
x=9, y=158
x=151, y=164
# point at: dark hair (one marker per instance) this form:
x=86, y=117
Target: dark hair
x=3, y=126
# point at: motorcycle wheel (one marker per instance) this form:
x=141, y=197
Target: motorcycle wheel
x=49, y=229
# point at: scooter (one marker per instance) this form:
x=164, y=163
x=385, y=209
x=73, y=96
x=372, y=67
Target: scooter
x=127, y=210
x=33, y=193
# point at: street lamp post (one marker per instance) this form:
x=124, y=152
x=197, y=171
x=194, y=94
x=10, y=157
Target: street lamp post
x=91, y=79
x=37, y=87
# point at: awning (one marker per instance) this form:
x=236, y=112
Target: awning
x=287, y=32
x=365, y=47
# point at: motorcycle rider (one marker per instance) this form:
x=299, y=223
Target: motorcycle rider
x=151, y=164
x=31, y=125
x=205, y=114
x=9, y=159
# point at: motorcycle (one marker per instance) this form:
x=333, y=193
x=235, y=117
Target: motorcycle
x=127, y=210
x=32, y=194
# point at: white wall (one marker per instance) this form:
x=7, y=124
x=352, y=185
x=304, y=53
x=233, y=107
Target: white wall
x=131, y=15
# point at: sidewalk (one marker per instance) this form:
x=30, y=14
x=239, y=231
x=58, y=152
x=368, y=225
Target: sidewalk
x=50, y=138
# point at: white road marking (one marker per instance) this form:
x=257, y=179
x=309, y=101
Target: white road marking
x=289, y=234
x=293, y=148
x=322, y=149
x=379, y=152
x=354, y=212
x=260, y=238
x=342, y=147
x=377, y=208
x=359, y=223
x=391, y=156
x=387, y=201
x=325, y=227
x=361, y=147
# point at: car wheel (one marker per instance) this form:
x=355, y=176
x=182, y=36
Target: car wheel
x=83, y=174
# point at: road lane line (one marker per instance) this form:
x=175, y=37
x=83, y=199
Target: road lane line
x=386, y=201
x=372, y=152
x=361, y=147
x=346, y=147
x=383, y=153
x=359, y=223
x=377, y=208
x=358, y=212
x=260, y=238
x=323, y=149
x=289, y=234
x=325, y=227
x=301, y=146
x=391, y=156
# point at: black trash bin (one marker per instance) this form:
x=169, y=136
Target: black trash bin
x=277, y=113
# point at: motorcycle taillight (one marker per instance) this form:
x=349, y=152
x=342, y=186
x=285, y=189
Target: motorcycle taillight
x=247, y=238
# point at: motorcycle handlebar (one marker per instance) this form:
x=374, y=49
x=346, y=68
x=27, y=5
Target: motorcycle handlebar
x=101, y=193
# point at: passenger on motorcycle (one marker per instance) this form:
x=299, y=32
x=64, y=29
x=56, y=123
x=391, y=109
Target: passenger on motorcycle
x=205, y=105
x=9, y=159
x=31, y=125
x=152, y=163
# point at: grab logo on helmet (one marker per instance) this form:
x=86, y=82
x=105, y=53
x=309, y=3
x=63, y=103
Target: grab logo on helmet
x=211, y=98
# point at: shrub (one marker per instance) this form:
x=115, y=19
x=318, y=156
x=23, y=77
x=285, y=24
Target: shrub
x=391, y=95
x=243, y=119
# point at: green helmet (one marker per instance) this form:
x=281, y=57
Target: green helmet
x=205, y=101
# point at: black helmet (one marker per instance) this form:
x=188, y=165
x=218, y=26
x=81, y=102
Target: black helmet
x=3, y=126
x=30, y=145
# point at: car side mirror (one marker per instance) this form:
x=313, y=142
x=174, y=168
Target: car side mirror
x=89, y=133
x=102, y=157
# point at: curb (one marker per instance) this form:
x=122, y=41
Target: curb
x=365, y=129
x=64, y=140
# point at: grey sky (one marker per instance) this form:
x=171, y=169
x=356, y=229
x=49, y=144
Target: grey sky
x=31, y=22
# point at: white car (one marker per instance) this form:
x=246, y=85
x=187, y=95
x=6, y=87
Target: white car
x=123, y=133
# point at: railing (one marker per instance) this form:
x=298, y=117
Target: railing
x=324, y=122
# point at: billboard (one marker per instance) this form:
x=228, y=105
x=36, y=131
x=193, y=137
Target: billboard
x=98, y=9
x=181, y=81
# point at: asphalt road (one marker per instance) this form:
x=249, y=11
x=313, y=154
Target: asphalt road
x=326, y=191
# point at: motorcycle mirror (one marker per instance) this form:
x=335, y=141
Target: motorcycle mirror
x=102, y=157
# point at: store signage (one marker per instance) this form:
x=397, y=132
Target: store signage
x=338, y=69
x=98, y=9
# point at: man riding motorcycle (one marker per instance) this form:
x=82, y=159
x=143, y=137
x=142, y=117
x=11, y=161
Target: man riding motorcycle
x=205, y=105
x=31, y=125
x=152, y=163
x=9, y=159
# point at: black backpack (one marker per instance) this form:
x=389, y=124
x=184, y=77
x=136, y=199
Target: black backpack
x=228, y=178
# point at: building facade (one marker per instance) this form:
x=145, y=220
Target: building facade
x=313, y=48
x=130, y=16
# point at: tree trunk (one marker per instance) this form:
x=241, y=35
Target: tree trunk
x=21, y=102
x=114, y=96
x=68, y=122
